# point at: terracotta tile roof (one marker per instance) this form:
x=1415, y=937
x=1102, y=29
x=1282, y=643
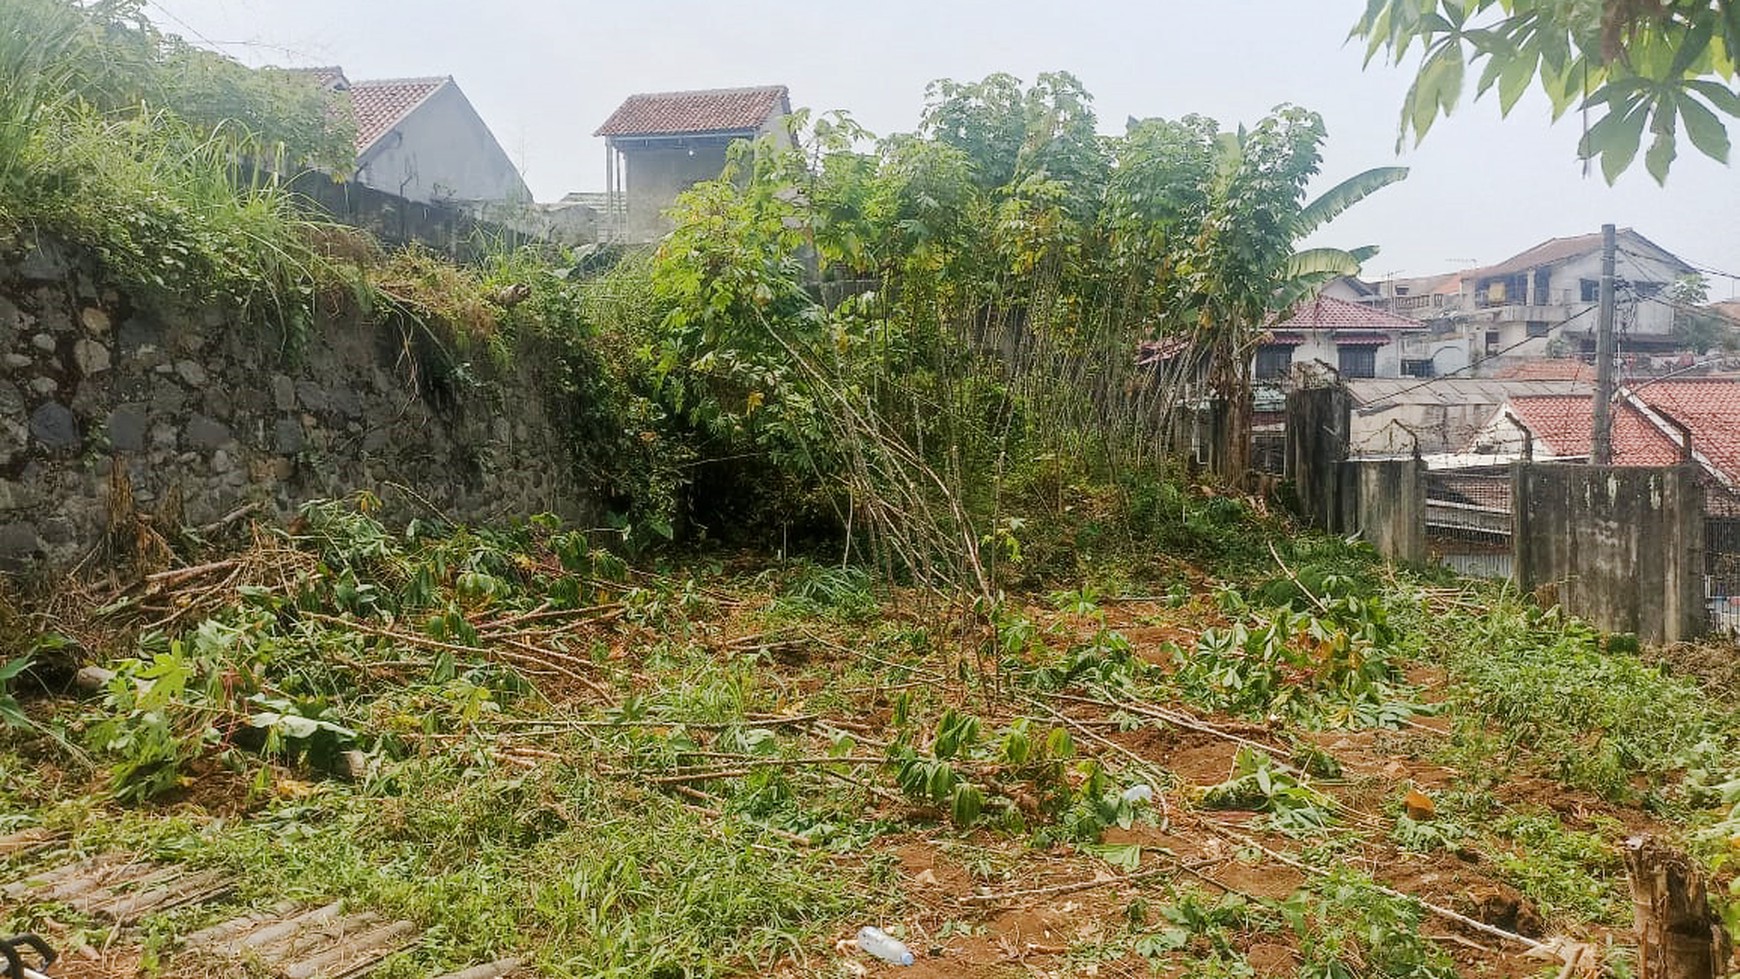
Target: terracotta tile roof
x=720, y=110
x=1711, y=409
x=382, y=104
x=1566, y=425
x=1329, y=313
x=1548, y=370
x=1350, y=339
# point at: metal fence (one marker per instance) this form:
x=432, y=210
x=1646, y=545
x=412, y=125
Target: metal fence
x=1468, y=521
x=1722, y=573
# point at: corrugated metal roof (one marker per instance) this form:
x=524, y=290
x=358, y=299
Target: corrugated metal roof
x=720, y=110
x=1384, y=391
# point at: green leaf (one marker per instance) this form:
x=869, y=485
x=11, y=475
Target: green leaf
x=1124, y=856
x=1703, y=127
x=1665, y=147
x=1332, y=202
x=1616, y=137
x=1720, y=96
x=968, y=802
x=1514, y=80
x=11, y=668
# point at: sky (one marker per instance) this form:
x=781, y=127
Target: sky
x=545, y=73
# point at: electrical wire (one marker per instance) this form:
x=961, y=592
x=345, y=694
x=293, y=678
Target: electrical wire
x=1527, y=339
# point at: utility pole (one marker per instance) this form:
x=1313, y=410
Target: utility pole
x=1603, y=440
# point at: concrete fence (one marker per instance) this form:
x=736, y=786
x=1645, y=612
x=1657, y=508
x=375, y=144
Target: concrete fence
x=1620, y=547
x=1384, y=502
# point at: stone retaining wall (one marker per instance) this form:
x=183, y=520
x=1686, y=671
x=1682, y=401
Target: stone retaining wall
x=207, y=415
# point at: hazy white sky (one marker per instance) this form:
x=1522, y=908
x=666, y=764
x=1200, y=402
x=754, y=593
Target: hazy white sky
x=545, y=73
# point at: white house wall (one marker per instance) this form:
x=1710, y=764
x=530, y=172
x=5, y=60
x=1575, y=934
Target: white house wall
x=443, y=151
x=1320, y=345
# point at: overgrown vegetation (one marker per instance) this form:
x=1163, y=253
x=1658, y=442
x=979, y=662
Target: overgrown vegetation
x=1015, y=684
x=711, y=772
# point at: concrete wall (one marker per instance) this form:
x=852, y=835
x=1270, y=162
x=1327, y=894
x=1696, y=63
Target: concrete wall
x=1317, y=430
x=462, y=232
x=1385, y=504
x=1623, y=547
x=656, y=175
x=656, y=170
x=1320, y=345
x=442, y=151
x=205, y=414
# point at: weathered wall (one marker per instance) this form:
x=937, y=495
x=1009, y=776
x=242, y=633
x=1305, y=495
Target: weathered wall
x=442, y=151
x=1317, y=436
x=1622, y=546
x=655, y=175
x=1386, y=505
x=214, y=414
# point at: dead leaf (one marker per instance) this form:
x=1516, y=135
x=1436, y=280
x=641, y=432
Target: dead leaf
x=1419, y=805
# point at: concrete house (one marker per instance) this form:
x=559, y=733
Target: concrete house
x=1356, y=340
x=1515, y=310
x=420, y=139
x=1551, y=291
x=661, y=144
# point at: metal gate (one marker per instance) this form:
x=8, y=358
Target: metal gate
x=1722, y=573
x=1468, y=521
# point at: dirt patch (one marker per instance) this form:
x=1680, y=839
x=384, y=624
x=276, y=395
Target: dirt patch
x=1267, y=879
x=928, y=873
x=1195, y=757
x=1268, y=959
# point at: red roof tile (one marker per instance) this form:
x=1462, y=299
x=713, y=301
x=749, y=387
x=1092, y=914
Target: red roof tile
x=1566, y=424
x=381, y=105
x=1711, y=409
x=1548, y=370
x=1329, y=313
x=721, y=110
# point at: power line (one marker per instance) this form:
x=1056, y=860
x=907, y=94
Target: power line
x=1500, y=353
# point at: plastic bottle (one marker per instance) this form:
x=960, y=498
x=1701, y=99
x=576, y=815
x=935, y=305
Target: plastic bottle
x=1139, y=793
x=884, y=946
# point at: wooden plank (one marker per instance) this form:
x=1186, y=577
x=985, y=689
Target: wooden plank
x=27, y=842
x=316, y=938
x=288, y=926
x=355, y=955
x=494, y=970
x=225, y=930
x=90, y=901
x=183, y=891
x=101, y=879
x=29, y=883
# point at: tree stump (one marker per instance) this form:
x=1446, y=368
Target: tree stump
x=1678, y=936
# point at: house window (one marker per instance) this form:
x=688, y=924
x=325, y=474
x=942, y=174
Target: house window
x=1648, y=289
x=1591, y=290
x=1492, y=343
x=1419, y=368
x=1539, y=328
x=1273, y=360
x=1357, y=361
